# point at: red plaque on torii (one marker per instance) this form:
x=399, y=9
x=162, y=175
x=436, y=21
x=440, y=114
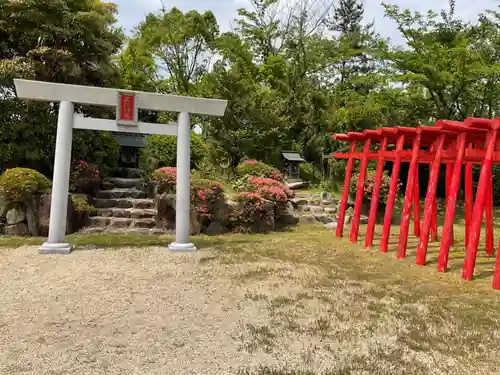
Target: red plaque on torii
x=126, y=110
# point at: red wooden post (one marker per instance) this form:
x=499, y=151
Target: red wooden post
x=490, y=240
x=345, y=193
x=451, y=203
x=434, y=225
x=375, y=195
x=386, y=230
x=449, y=176
x=469, y=199
x=410, y=190
x=477, y=213
x=360, y=192
x=429, y=204
x=496, y=272
x=416, y=206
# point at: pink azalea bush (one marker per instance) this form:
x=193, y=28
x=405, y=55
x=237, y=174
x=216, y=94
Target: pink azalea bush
x=84, y=177
x=251, y=211
x=370, y=183
x=204, y=195
x=270, y=189
x=166, y=178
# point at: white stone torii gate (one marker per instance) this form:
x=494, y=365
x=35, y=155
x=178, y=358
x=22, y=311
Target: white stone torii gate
x=127, y=104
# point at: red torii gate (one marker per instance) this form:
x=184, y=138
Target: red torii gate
x=474, y=141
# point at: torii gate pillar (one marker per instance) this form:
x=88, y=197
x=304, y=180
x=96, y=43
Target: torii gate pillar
x=127, y=104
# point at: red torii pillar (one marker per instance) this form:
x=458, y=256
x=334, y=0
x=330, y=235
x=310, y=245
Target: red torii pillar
x=375, y=194
x=430, y=202
x=479, y=204
x=386, y=230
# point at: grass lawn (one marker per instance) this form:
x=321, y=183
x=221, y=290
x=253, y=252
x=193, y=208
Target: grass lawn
x=292, y=303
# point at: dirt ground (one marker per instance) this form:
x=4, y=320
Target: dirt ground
x=299, y=303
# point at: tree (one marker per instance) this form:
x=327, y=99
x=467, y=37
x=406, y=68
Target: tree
x=453, y=63
x=171, y=49
x=57, y=41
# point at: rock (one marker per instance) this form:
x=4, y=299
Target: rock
x=326, y=196
x=326, y=202
x=165, y=207
x=106, y=185
x=194, y=224
x=125, y=183
x=138, y=213
x=120, y=212
x=363, y=219
x=330, y=210
x=306, y=219
x=20, y=229
x=119, y=222
x=305, y=208
x=98, y=221
x=215, y=228
x=143, y=223
x=331, y=226
x=88, y=186
x=157, y=232
x=298, y=202
x=104, y=212
x=104, y=203
x=123, y=203
x=152, y=189
x=286, y=214
x=298, y=185
x=266, y=222
x=317, y=209
x=347, y=219
x=43, y=215
x=143, y=203
x=15, y=215
x=325, y=219
x=222, y=210
x=117, y=193
x=4, y=205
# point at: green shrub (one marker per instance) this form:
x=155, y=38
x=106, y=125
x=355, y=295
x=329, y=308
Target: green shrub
x=81, y=205
x=369, y=184
x=258, y=169
x=308, y=172
x=17, y=184
x=161, y=151
x=98, y=148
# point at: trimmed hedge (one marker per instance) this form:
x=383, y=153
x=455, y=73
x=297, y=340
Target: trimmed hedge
x=17, y=184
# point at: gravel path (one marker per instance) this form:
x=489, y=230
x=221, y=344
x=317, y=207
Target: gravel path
x=149, y=311
x=124, y=311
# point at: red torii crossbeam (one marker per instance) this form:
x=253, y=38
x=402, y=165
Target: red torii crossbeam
x=449, y=143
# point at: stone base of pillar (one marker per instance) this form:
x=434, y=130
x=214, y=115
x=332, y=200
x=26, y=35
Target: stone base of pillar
x=182, y=247
x=55, y=248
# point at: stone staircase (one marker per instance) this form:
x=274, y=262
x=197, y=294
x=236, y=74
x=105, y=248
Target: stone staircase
x=122, y=206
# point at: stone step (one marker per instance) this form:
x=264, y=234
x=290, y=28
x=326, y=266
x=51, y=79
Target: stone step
x=125, y=231
x=126, y=173
x=124, y=203
x=125, y=183
x=134, y=213
x=117, y=193
x=121, y=222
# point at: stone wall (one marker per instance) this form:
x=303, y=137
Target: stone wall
x=32, y=216
x=226, y=217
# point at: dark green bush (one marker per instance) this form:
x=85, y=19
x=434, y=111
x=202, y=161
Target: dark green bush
x=17, y=184
x=308, y=172
x=257, y=169
x=161, y=151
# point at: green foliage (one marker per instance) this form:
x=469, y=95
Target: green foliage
x=18, y=184
x=161, y=151
x=369, y=184
x=308, y=172
x=56, y=41
x=256, y=168
x=81, y=205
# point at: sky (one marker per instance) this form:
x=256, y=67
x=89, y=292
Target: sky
x=131, y=12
